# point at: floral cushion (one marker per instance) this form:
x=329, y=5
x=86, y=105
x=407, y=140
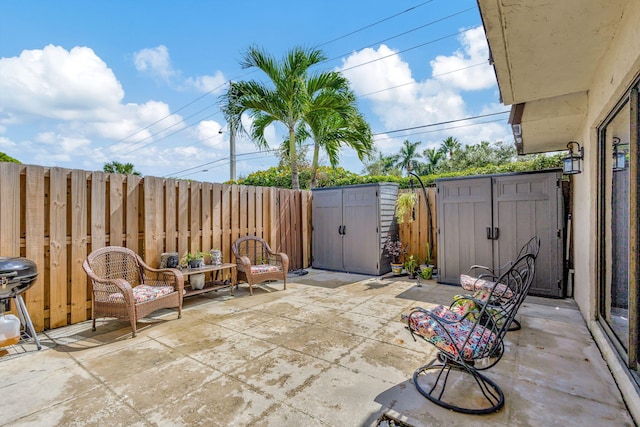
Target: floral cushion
x=265, y=268
x=450, y=337
x=473, y=284
x=144, y=293
x=463, y=304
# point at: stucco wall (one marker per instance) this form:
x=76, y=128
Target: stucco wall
x=616, y=72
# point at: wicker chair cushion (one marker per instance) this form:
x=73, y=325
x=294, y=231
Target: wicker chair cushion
x=473, y=284
x=144, y=293
x=438, y=333
x=265, y=268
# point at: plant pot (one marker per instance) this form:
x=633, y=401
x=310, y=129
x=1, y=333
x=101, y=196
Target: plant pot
x=197, y=281
x=196, y=263
x=396, y=268
x=216, y=257
x=426, y=273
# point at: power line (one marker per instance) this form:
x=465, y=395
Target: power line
x=441, y=129
x=322, y=44
x=374, y=24
x=440, y=123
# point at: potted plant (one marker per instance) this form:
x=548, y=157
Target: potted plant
x=394, y=250
x=426, y=270
x=404, y=206
x=411, y=265
x=193, y=259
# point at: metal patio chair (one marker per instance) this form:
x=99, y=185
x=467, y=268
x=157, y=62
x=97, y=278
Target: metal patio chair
x=467, y=342
x=124, y=287
x=480, y=277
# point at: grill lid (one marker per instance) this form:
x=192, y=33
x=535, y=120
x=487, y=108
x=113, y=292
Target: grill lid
x=17, y=274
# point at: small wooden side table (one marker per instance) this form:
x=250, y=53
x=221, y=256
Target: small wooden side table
x=214, y=283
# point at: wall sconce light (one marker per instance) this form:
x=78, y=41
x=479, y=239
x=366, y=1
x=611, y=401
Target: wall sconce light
x=619, y=156
x=571, y=164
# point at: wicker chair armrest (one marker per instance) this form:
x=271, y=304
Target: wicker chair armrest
x=170, y=276
x=112, y=286
x=243, y=263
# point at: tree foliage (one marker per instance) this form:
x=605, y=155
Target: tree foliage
x=6, y=158
x=117, y=167
x=318, y=104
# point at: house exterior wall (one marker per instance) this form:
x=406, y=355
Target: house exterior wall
x=616, y=72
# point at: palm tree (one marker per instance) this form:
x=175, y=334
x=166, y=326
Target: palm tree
x=117, y=167
x=432, y=157
x=333, y=122
x=406, y=159
x=288, y=100
x=449, y=146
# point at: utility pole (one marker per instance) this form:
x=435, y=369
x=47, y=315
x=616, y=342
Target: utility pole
x=232, y=152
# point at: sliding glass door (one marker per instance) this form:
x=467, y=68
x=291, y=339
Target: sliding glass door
x=618, y=208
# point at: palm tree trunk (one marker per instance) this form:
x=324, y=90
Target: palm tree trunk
x=314, y=164
x=295, y=182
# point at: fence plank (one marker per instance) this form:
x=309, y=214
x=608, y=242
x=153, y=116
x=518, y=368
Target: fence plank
x=207, y=187
x=58, y=247
x=133, y=213
x=251, y=211
x=259, y=217
x=153, y=219
x=225, y=228
x=306, y=228
x=98, y=210
x=243, y=212
x=116, y=209
x=10, y=212
x=216, y=216
x=183, y=217
x=78, y=245
x=34, y=242
x=170, y=212
x=194, y=216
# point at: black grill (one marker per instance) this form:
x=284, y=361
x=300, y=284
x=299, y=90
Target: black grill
x=16, y=276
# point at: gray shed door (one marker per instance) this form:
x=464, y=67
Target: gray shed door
x=327, y=241
x=361, y=240
x=486, y=221
x=464, y=213
x=525, y=206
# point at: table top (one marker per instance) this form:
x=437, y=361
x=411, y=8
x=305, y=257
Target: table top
x=206, y=268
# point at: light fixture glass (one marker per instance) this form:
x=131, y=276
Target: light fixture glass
x=572, y=163
x=619, y=156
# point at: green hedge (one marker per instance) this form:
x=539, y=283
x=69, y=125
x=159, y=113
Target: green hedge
x=330, y=177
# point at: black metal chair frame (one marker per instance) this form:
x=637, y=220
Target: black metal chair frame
x=532, y=246
x=466, y=354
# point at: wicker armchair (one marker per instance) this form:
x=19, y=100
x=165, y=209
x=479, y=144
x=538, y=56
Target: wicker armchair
x=256, y=262
x=126, y=288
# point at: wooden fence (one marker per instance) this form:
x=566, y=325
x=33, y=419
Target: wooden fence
x=416, y=234
x=56, y=216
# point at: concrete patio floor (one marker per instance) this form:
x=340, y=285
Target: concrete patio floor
x=328, y=351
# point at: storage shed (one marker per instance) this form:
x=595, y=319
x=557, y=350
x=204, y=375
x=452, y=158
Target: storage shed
x=486, y=219
x=351, y=225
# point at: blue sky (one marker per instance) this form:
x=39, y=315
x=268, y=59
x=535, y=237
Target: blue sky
x=85, y=83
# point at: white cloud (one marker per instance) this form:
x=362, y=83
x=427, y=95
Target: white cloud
x=155, y=61
x=215, y=83
x=461, y=69
x=56, y=83
x=400, y=101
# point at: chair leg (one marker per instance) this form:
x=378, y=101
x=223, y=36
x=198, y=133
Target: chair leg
x=514, y=326
x=133, y=327
x=487, y=395
x=94, y=324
